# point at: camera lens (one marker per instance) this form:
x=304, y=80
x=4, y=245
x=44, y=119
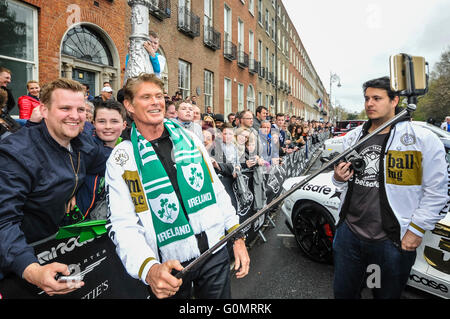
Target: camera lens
x=358, y=165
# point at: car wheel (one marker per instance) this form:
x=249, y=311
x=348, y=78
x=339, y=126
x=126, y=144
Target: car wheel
x=314, y=230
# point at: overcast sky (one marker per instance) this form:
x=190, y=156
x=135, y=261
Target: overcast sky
x=354, y=38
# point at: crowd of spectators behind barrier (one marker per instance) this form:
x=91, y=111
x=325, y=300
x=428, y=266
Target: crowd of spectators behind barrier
x=252, y=142
x=236, y=141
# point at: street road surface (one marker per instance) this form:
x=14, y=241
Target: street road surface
x=279, y=270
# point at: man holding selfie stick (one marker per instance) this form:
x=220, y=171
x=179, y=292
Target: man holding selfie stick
x=388, y=205
x=167, y=204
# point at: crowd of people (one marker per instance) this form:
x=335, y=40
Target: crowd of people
x=149, y=156
x=76, y=133
x=238, y=141
x=245, y=139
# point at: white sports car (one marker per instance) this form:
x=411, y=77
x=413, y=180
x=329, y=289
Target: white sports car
x=312, y=213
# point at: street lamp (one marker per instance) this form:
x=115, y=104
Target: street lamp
x=138, y=60
x=334, y=78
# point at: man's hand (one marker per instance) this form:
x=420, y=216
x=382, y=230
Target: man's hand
x=250, y=163
x=71, y=204
x=260, y=161
x=149, y=48
x=241, y=258
x=411, y=241
x=44, y=278
x=36, y=116
x=161, y=281
x=215, y=164
x=342, y=172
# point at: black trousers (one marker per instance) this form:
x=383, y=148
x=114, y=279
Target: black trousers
x=208, y=280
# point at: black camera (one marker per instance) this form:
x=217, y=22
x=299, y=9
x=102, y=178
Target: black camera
x=358, y=164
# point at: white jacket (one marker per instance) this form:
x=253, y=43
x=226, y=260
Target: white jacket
x=414, y=173
x=131, y=228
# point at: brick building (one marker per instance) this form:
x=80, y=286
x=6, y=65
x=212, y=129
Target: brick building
x=191, y=43
x=266, y=51
x=232, y=54
x=237, y=63
x=69, y=38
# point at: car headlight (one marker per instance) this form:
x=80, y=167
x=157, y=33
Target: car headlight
x=288, y=203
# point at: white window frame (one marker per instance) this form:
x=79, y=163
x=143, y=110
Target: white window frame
x=267, y=22
x=260, y=13
x=208, y=13
x=260, y=53
x=227, y=23
x=227, y=95
x=186, y=91
x=241, y=37
x=181, y=16
x=251, y=7
x=272, y=30
x=240, y=96
x=208, y=89
x=34, y=63
x=251, y=45
x=251, y=98
x=273, y=64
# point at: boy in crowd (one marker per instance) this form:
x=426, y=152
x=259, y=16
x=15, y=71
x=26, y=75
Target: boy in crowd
x=109, y=123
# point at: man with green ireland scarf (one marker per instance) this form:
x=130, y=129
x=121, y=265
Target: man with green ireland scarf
x=167, y=205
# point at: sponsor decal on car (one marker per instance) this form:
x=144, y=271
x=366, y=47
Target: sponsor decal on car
x=324, y=189
x=435, y=258
x=429, y=283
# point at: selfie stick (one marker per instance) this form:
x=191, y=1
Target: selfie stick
x=238, y=232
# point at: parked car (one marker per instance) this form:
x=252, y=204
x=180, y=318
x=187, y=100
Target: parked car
x=312, y=213
x=343, y=127
x=332, y=146
x=442, y=134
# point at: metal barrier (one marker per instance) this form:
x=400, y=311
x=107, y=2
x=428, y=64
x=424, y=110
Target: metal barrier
x=96, y=259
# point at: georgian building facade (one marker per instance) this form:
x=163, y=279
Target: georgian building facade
x=232, y=54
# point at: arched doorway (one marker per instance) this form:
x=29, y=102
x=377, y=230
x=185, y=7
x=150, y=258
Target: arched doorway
x=89, y=56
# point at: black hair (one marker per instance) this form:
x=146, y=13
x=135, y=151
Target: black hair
x=111, y=105
x=383, y=83
x=260, y=108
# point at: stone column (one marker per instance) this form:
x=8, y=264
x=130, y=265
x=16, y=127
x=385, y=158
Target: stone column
x=68, y=70
x=138, y=59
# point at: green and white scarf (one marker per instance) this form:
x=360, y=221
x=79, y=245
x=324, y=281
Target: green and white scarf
x=174, y=234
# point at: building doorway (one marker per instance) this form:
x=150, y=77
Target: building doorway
x=89, y=56
x=85, y=77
